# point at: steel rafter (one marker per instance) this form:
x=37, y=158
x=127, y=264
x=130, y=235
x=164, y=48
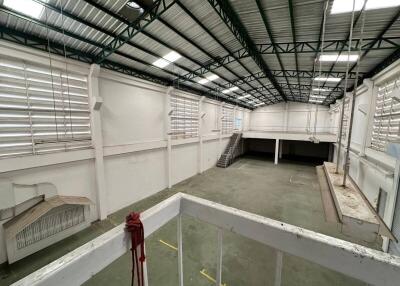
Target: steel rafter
x=321, y=29
x=199, y=48
x=232, y=21
x=195, y=74
x=193, y=17
x=220, y=87
x=293, y=28
x=377, y=39
x=302, y=87
x=154, y=12
x=74, y=17
x=290, y=73
x=382, y=65
x=345, y=48
x=270, y=34
x=391, y=43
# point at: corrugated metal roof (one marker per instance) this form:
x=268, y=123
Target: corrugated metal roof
x=199, y=49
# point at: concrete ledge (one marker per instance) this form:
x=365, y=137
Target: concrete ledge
x=355, y=215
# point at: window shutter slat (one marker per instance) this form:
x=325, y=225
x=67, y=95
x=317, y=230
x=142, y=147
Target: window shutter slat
x=42, y=110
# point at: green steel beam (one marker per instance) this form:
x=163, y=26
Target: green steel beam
x=384, y=43
x=321, y=28
x=293, y=28
x=370, y=45
x=270, y=35
x=290, y=74
x=195, y=74
x=202, y=50
x=193, y=17
x=232, y=21
x=154, y=12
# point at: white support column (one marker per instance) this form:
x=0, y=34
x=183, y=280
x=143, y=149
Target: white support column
x=278, y=269
x=218, y=280
x=276, y=151
x=220, y=129
x=201, y=116
x=180, y=251
x=168, y=113
x=280, y=148
x=97, y=137
x=286, y=118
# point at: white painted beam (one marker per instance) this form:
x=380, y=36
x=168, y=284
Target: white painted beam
x=365, y=264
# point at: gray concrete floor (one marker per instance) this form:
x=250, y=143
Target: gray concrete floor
x=288, y=192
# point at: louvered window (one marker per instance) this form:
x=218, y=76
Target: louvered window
x=42, y=109
x=227, y=120
x=386, y=121
x=184, y=117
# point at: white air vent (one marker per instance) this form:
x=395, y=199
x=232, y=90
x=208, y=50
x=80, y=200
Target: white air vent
x=44, y=224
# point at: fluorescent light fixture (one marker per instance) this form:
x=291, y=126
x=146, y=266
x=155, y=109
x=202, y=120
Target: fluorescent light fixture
x=161, y=63
x=321, y=89
x=212, y=77
x=27, y=7
x=167, y=59
x=316, y=97
x=244, y=96
x=259, y=104
x=230, y=89
x=338, y=58
x=345, y=6
x=208, y=79
x=203, y=81
x=172, y=56
x=328, y=79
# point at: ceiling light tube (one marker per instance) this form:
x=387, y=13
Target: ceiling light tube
x=212, y=77
x=338, y=58
x=244, y=96
x=321, y=89
x=167, y=59
x=172, y=56
x=203, y=81
x=27, y=7
x=345, y=6
x=328, y=79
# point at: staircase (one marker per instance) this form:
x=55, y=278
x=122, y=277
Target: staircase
x=232, y=151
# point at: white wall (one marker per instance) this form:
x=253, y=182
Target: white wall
x=134, y=158
x=291, y=116
x=370, y=169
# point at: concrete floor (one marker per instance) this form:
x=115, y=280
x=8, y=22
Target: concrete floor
x=288, y=192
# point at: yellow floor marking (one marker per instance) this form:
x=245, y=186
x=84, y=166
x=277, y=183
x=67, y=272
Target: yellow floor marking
x=169, y=245
x=204, y=273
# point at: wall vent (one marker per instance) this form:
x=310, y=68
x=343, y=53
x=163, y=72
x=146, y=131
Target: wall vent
x=44, y=224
